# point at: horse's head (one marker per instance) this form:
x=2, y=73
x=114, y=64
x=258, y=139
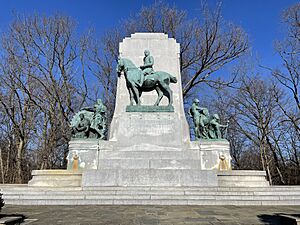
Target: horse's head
x=124, y=65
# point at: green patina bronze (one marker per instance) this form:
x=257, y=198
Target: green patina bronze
x=215, y=128
x=205, y=126
x=90, y=122
x=147, y=68
x=144, y=79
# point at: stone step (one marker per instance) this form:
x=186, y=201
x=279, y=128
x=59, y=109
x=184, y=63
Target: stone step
x=292, y=195
x=149, y=202
x=191, y=188
x=241, y=178
x=129, y=163
x=274, y=195
x=242, y=173
x=151, y=192
x=158, y=190
x=217, y=196
x=26, y=188
x=259, y=183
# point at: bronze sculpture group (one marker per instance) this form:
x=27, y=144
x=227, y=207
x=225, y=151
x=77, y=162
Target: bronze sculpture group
x=90, y=122
x=206, y=127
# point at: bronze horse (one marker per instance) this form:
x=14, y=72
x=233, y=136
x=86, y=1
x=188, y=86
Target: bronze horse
x=158, y=81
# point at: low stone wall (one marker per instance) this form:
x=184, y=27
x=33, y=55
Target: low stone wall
x=55, y=178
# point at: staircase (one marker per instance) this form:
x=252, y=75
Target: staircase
x=274, y=195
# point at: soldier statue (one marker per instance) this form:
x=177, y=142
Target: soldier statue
x=215, y=127
x=204, y=122
x=99, y=117
x=82, y=128
x=200, y=118
x=205, y=127
x=96, y=116
x=194, y=112
x=147, y=68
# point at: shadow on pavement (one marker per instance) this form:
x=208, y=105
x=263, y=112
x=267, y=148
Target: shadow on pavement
x=279, y=219
x=11, y=219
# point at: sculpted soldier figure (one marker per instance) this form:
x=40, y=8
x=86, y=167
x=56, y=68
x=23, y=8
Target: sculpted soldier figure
x=200, y=118
x=82, y=128
x=99, y=117
x=93, y=119
x=147, y=68
x=195, y=114
x=205, y=126
x=215, y=127
x=204, y=121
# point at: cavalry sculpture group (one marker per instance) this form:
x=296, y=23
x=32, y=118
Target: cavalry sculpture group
x=90, y=122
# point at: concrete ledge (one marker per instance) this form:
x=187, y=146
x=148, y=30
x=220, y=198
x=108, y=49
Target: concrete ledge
x=242, y=178
x=55, y=172
x=242, y=173
x=55, y=178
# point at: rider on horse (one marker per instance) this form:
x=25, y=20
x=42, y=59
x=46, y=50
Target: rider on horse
x=147, y=68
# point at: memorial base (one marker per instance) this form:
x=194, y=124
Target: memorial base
x=150, y=178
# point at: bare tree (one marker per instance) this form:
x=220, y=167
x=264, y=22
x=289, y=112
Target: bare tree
x=255, y=125
x=207, y=44
x=102, y=55
x=42, y=86
x=17, y=109
x=289, y=74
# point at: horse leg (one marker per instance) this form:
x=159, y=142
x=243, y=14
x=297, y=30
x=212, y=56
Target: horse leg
x=136, y=94
x=169, y=91
x=129, y=88
x=131, y=96
x=159, y=95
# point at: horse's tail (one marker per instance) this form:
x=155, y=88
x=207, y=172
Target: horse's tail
x=173, y=79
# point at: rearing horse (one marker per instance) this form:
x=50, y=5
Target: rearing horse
x=158, y=81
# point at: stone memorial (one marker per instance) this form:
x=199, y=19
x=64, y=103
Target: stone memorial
x=148, y=142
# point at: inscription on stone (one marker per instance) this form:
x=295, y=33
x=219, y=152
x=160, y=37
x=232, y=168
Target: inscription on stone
x=152, y=124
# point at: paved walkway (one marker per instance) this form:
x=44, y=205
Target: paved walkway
x=138, y=215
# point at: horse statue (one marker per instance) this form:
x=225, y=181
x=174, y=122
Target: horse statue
x=158, y=81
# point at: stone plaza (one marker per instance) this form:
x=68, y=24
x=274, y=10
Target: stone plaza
x=156, y=215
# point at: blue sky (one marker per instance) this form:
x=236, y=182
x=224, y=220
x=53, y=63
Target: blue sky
x=259, y=18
